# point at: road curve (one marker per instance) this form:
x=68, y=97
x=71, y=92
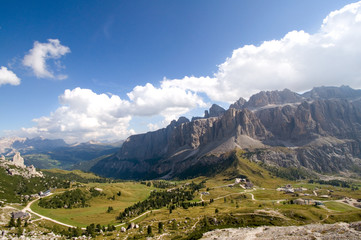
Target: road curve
x=28, y=209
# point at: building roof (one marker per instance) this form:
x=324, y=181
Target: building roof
x=19, y=214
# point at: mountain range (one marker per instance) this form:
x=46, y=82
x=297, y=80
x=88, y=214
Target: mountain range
x=56, y=153
x=318, y=131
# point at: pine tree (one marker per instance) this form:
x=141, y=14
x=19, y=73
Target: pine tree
x=149, y=230
x=174, y=225
x=18, y=222
x=20, y=230
x=160, y=227
x=12, y=222
x=206, y=222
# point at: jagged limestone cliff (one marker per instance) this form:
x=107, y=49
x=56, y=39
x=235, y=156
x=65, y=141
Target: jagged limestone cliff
x=319, y=130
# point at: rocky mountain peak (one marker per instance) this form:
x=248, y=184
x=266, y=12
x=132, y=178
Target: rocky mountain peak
x=214, y=111
x=239, y=103
x=343, y=92
x=263, y=98
x=180, y=121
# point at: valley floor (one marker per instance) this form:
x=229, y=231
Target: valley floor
x=272, y=209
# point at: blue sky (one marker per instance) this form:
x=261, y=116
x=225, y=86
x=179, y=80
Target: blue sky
x=182, y=55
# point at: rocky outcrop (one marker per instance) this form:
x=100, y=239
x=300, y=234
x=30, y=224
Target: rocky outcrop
x=17, y=167
x=320, y=132
x=349, y=231
x=18, y=160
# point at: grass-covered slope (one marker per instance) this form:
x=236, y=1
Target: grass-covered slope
x=74, y=175
x=236, y=165
x=131, y=193
x=12, y=187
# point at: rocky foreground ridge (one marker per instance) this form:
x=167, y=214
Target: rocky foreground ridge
x=349, y=231
x=319, y=130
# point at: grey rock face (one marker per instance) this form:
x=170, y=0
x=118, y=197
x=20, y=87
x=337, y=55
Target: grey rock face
x=238, y=104
x=166, y=151
x=343, y=92
x=214, y=111
x=319, y=133
x=272, y=97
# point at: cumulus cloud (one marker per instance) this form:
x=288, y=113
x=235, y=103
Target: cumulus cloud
x=40, y=53
x=85, y=115
x=168, y=101
x=298, y=61
x=8, y=77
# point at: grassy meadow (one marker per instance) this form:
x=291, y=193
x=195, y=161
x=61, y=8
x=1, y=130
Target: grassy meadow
x=131, y=192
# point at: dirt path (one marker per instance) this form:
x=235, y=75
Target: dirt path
x=161, y=236
x=349, y=202
x=49, y=219
x=252, y=196
x=195, y=224
x=28, y=209
x=273, y=213
x=141, y=215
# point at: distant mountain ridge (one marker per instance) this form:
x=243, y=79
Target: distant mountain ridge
x=9, y=146
x=50, y=153
x=319, y=130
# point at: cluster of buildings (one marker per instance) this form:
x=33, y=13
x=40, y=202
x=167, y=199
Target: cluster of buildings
x=300, y=201
x=289, y=189
x=244, y=182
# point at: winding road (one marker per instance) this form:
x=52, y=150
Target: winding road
x=28, y=209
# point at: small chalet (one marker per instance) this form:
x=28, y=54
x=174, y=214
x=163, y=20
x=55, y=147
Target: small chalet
x=248, y=185
x=301, y=201
x=20, y=214
x=44, y=194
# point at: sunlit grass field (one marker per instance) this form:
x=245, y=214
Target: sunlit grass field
x=131, y=192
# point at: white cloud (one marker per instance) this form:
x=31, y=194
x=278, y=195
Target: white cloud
x=85, y=115
x=40, y=53
x=168, y=101
x=298, y=61
x=8, y=77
